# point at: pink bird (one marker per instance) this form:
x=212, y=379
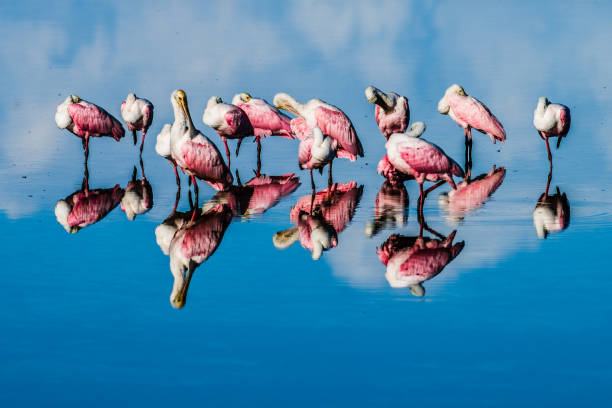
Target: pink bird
x=316, y=151
x=138, y=115
x=85, y=207
x=87, y=120
x=410, y=261
x=471, y=195
x=421, y=159
x=469, y=112
x=138, y=197
x=193, y=152
x=162, y=147
x=193, y=244
x=330, y=119
x=390, y=209
x=320, y=218
x=255, y=196
x=391, y=112
x=229, y=121
x=551, y=120
x=265, y=118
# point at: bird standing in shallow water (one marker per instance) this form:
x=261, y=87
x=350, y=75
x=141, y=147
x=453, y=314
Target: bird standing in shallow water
x=391, y=112
x=229, y=121
x=316, y=151
x=468, y=112
x=265, y=119
x=193, y=152
x=551, y=120
x=138, y=114
x=421, y=159
x=87, y=120
x=330, y=119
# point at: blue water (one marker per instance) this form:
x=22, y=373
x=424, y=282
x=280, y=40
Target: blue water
x=513, y=320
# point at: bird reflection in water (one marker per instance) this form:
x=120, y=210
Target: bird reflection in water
x=320, y=218
x=256, y=195
x=410, y=261
x=189, y=241
x=390, y=210
x=85, y=207
x=138, y=197
x=552, y=212
x=471, y=194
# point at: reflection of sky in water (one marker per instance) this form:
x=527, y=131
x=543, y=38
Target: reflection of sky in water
x=508, y=317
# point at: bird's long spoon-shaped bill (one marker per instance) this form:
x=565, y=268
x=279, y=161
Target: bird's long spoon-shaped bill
x=185, y=108
x=181, y=299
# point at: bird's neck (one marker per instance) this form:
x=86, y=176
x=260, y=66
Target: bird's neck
x=179, y=116
x=541, y=105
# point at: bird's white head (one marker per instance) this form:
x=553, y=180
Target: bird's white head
x=456, y=89
x=370, y=93
x=416, y=129
x=242, y=97
x=178, y=96
x=543, y=101
x=286, y=102
x=75, y=99
x=213, y=100
x=131, y=97
x=443, y=105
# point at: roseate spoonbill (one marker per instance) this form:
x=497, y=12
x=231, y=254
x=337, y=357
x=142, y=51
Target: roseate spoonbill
x=329, y=118
x=552, y=212
x=410, y=261
x=256, y=195
x=316, y=151
x=391, y=112
x=138, y=115
x=320, y=218
x=265, y=118
x=390, y=208
x=551, y=120
x=471, y=195
x=421, y=159
x=193, y=152
x=193, y=244
x=86, y=120
x=468, y=112
x=229, y=121
x=138, y=197
x=85, y=207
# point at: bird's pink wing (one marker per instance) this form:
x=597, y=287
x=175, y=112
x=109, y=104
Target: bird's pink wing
x=300, y=128
x=304, y=154
x=238, y=122
x=425, y=158
x=392, y=245
x=342, y=209
x=474, y=194
x=477, y=115
x=267, y=119
x=204, y=160
x=203, y=239
x=94, y=120
x=147, y=117
x=338, y=126
x=267, y=195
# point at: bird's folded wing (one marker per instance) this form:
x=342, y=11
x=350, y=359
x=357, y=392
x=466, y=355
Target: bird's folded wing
x=425, y=158
x=337, y=125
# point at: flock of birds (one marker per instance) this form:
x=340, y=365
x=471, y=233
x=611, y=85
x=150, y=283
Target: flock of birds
x=324, y=132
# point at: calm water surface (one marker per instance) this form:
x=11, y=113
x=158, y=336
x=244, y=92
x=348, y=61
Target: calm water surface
x=511, y=320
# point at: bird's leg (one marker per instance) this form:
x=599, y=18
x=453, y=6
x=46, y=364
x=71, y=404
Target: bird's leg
x=86, y=146
x=469, y=132
x=312, y=182
x=258, y=156
x=329, y=180
x=178, y=179
x=196, y=190
x=238, y=178
x=420, y=215
x=548, y=183
x=549, y=153
x=432, y=188
x=134, y=136
x=142, y=167
x=176, y=199
x=421, y=198
x=144, y=134
x=468, y=158
x=227, y=153
x=134, y=173
x=238, y=146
